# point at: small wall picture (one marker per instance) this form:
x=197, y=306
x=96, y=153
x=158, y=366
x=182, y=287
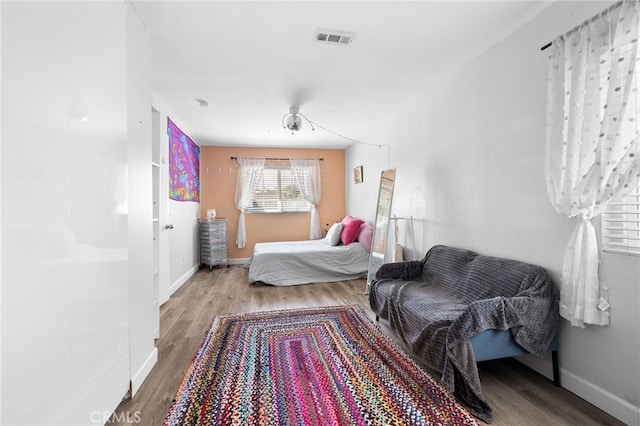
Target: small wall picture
x=357, y=174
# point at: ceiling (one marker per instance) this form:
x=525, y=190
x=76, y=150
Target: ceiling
x=251, y=61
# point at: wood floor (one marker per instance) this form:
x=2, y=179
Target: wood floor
x=518, y=395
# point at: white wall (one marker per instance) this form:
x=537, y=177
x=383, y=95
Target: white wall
x=65, y=294
x=470, y=159
x=184, y=243
x=374, y=161
x=78, y=291
x=143, y=353
x=181, y=260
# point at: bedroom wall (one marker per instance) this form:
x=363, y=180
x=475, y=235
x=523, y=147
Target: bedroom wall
x=218, y=186
x=179, y=247
x=470, y=158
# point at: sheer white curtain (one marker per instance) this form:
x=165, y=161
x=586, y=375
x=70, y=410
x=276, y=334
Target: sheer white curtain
x=307, y=176
x=249, y=176
x=592, y=139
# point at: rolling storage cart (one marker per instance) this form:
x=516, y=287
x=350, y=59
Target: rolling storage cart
x=213, y=242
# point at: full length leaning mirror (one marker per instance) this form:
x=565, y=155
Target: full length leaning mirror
x=381, y=226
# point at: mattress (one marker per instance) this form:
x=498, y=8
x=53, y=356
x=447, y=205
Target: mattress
x=303, y=262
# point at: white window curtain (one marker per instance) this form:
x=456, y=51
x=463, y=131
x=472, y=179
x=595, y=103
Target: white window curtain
x=592, y=144
x=249, y=176
x=307, y=176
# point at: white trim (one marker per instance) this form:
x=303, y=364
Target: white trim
x=183, y=279
x=143, y=371
x=614, y=405
x=162, y=302
x=619, y=408
x=239, y=261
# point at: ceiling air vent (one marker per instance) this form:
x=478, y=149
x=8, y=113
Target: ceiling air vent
x=340, y=38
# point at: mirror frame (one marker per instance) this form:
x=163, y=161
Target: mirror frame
x=381, y=224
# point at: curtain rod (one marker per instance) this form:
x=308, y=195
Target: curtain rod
x=285, y=159
x=546, y=45
x=593, y=18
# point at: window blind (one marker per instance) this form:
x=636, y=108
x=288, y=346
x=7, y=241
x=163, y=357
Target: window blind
x=621, y=224
x=278, y=192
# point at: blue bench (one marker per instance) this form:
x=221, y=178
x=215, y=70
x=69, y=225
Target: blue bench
x=496, y=344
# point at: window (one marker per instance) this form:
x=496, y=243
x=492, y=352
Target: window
x=277, y=192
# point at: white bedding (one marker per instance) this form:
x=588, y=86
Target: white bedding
x=303, y=262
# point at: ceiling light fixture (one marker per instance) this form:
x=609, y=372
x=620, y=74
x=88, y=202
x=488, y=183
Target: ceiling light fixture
x=202, y=102
x=292, y=120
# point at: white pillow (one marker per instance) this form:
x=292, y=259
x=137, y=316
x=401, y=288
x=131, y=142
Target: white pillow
x=333, y=235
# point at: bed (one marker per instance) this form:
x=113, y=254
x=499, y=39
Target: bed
x=304, y=262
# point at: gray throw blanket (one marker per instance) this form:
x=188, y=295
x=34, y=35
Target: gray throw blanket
x=435, y=305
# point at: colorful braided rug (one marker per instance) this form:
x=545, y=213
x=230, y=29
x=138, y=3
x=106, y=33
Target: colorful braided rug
x=317, y=366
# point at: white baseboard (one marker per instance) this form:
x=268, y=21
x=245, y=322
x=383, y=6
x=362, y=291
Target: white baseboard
x=606, y=401
x=183, y=279
x=239, y=260
x=143, y=371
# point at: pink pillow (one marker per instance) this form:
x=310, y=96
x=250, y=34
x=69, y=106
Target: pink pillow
x=346, y=219
x=350, y=230
x=365, y=236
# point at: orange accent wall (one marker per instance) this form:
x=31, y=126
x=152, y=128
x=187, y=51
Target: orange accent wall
x=218, y=175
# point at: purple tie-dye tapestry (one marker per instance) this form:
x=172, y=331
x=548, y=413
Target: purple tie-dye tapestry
x=184, y=165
